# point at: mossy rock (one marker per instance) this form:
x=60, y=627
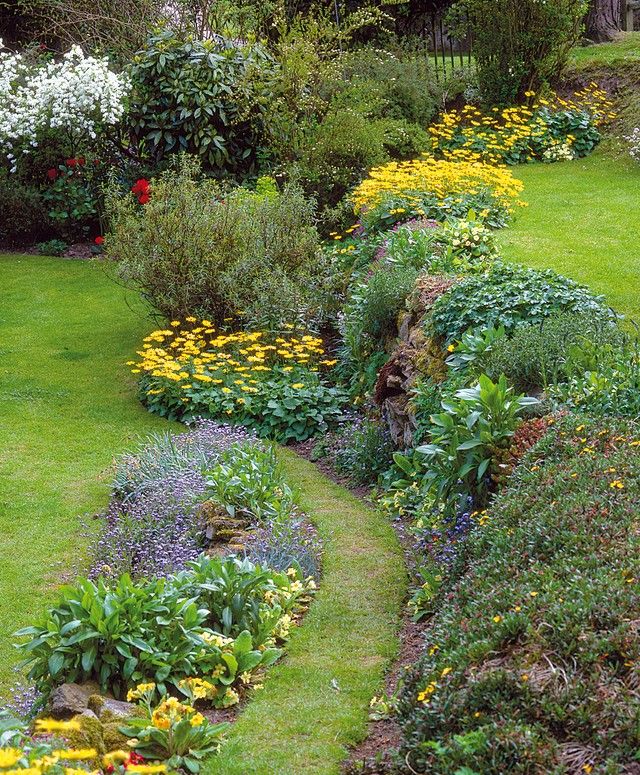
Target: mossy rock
x=112, y=737
x=90, y=733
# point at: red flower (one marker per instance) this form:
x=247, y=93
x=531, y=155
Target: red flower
x=80, y=160
x=135, y=758
x=52, y=174
x=143, y=199
x=71, y=162
x=141, y=186
x=99, y=240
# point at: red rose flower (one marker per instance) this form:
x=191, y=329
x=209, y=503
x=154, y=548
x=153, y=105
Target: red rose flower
x=143, y=199
x=99, y=240
x=141, y=186
x=52, y=174
x=71, y=162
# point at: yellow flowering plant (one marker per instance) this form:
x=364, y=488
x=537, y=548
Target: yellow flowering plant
x=42, y=750
x=172, y=731
x=272, y=383
x=435, y=188
x=548, y=129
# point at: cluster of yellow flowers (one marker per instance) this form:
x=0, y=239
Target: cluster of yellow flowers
x=436, y=177
x=501, y=136
x=171, y=711
x=16, y=761
x=227, y=362
x=424, y=696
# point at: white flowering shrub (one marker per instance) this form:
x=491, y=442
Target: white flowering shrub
x=634, y=143
x=78, y=94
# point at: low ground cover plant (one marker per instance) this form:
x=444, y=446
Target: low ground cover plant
x=542, y=678
x=509, y=295
x=272, y=383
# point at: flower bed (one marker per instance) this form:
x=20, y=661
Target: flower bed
x=270, y=383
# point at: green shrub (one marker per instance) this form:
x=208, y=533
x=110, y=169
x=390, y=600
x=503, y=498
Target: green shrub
x=160, y=630
x=538, y=354
x=24, y=217
x=194, y=249
x=360, y=451
x=382, y=84
x=203, y=97
x=247, y=481
x=534, y=647
x=470, y=439
x=519, y=45
x=509, y=295
x=336, y=153
x=603, y=377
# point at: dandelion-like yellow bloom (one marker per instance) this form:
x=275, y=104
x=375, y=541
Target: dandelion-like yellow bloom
x=50, y=726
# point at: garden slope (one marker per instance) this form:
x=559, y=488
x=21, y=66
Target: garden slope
x=67, y=405
x=315, y=703
x=582, y=220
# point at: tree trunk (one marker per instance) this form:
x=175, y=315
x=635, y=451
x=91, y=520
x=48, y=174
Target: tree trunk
x=604, y=20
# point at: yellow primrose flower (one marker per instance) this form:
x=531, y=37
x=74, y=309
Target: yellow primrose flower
x=50, y=726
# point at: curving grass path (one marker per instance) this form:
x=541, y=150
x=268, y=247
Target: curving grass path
x=583, y=220
x=67, y=406
x=315, y=703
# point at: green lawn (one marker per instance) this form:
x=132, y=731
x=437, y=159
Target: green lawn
x=626, y=49
x=583, y=220
x=67, y=406
x=315, y=702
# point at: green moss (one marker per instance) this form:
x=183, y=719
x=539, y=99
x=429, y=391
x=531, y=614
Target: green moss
x=89, y=735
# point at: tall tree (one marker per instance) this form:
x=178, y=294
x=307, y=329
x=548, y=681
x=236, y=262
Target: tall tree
x=604, y=20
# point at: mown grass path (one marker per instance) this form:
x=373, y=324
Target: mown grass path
x=315, y=703
x=583, y=220
x=67, y=406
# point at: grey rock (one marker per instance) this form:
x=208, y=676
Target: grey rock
x=70, y=699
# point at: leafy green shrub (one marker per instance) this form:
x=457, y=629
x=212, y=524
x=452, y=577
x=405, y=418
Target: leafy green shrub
x=382, y=84
x=360, y=451
x=203, y=97
x=193, y=249
x=248, y=482
x=336, y=153
x=52, y=247
x=365, y=451
x=372, y=311
x=24, y=216
x=538, y=354
x=161, y=630
x=469, y=440
x=603, y=377
x=173, y=732
x=525, y=44
x=459, y=245
x=535, y=646
x=509, y=295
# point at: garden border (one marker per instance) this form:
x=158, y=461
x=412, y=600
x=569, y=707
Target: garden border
x=314, y=704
